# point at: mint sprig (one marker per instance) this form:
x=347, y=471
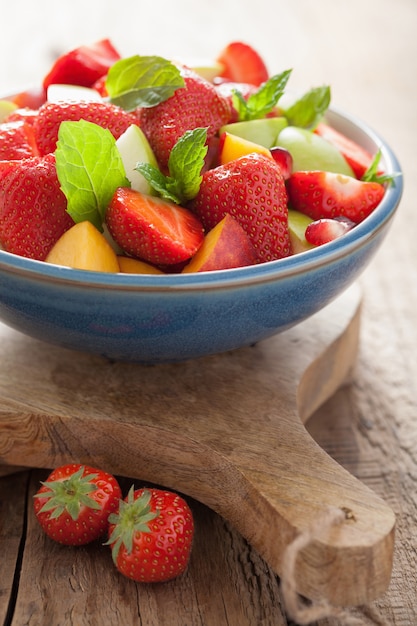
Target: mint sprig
x=142, y=81
x=185, y=164
x=260, y=103
x=89, y=168
x=308, y=110
x=373, y=173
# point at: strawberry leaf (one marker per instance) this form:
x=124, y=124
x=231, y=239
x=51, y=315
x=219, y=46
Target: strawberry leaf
x=142, y=81
x=184, y=166
x=263, y=100
x=89, y=169
x=133, y=518
x=310, y=108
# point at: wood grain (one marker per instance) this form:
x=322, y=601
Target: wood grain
x=226, y=430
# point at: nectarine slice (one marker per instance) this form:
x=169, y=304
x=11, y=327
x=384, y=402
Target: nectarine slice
x=128, y=265
x=226, y=246
x=84, y=247
x=232, y=147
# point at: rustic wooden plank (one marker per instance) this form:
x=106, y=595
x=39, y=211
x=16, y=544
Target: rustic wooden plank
x=12, y=535
x=226, y=582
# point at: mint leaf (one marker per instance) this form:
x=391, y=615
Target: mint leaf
x=89, y=169
x=258, y=104
x=310, y=108
x=185, y=164
x=142, y=81
x=374, y=175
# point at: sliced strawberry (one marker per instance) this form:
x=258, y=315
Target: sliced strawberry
x=252, y=190
x=358, y=158
x=24, y=114
x=327, y=229
x=327, y=194
x=31, y=98
x=153, y=229
x=195, y=105
x=242, y=64
x=32, y=207
x=104, y=114
x=17, y=141
x=100, y=86
x=83, y=65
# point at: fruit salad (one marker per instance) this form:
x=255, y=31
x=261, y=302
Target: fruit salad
x=149, y=165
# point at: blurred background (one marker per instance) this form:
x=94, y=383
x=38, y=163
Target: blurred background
x=354, y=59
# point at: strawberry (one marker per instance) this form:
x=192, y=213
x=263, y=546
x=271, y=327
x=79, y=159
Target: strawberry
x=358, y=158
x=151, y=536
x=24, y=114
x=100, y=86
x=74, y=503
x=197, y=104
x=83, y=65
x=153, y=229
x=17, y=141
x=242, y=64
x=104, y=114
x=31, y=98
x=32, y=207
x=252, y=190
x=326, y=194
x=327, y=229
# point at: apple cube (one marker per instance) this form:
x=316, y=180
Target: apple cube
x=263, y=131
x=297, y=225
x=309, y=151
x=134, y=148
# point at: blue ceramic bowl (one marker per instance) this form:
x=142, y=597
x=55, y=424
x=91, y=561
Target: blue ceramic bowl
x=157, y=319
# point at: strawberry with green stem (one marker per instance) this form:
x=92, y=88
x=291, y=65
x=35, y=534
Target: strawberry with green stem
x=74, y=503
x=151, y=536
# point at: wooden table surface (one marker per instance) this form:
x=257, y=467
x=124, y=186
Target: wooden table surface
x=367, y=52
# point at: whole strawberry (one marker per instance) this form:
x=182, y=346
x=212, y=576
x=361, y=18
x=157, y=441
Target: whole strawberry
x=74, y=503
x=104, y=114
x=32, y=207
x=197, y=104
x=151, y=536
x=252, y=190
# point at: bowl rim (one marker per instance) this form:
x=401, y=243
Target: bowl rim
x=243, y=276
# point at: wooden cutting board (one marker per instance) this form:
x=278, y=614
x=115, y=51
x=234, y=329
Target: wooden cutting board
x=227, y=430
